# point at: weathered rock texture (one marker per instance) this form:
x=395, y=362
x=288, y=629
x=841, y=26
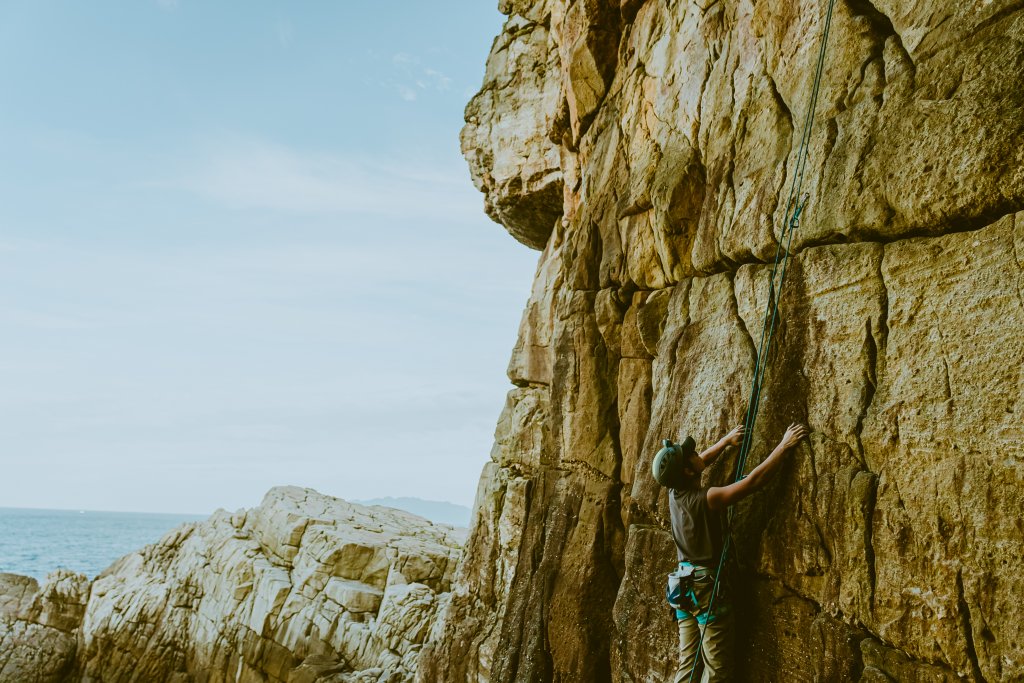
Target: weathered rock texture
x=891, y=546
x=302, y=588
x=38, y=626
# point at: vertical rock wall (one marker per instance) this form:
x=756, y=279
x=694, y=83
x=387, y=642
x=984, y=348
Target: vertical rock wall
x=644, y=145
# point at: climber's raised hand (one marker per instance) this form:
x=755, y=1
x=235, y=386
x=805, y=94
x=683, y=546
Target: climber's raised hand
x=735, y=437
x=793, y=435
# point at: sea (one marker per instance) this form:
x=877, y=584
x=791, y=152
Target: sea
x=36, y=542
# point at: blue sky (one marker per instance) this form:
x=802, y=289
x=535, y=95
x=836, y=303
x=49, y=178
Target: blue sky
x=239, y=247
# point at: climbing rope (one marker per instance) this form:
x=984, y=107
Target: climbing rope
x=795, y=205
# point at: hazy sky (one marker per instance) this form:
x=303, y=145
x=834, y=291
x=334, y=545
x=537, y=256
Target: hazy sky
x=239, y=248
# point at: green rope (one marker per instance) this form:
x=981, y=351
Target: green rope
x=790, y=223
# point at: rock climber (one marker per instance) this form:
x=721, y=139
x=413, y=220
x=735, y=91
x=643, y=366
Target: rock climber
x=698, y=517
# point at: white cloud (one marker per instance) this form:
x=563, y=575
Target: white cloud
x=168, y=4
x=412, y=74
x=439, y=80
x=259, y=175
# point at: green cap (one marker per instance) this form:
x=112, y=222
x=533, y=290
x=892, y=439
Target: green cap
x=667, y=467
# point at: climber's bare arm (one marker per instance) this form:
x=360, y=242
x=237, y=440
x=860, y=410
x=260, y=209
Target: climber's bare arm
x=733, y=438
x=721, y=497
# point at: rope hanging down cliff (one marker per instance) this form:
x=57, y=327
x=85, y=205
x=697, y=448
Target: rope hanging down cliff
x=794, y=207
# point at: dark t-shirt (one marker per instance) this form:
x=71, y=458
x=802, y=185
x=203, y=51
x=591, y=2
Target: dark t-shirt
x=696, y=529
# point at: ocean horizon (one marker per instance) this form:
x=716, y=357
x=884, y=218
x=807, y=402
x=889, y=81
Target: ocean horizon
x=35, y=542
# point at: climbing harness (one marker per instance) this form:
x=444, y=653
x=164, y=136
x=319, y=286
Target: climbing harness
x=681, y=593
x=795, y=205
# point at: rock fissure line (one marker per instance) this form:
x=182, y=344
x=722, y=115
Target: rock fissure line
x=869, y=527
x=968, y=631
x=741, y=322
x=804, y=247
x=1000, y=15
x=583, y=466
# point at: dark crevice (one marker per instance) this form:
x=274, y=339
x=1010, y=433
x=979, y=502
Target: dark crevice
x=965, y=625
x=870, y=355
x=781, y=102
x=813, y=497
x=574, y=466
x=647, y=359
x=881, y=29
x=742, y=322
x=787, y=112
x=704, y=9
x=869, y=544
x=946, y=385
x=881, y=25
x=831, y=137
x=710, y=65
x=875, y=349
x=945, y=376
x=512, y=29
x=962, y=225
x=858, y=172
x=1018, y=226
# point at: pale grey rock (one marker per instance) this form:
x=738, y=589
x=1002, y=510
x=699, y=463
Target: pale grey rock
x=16, y=593
x=303, y=587
x=38, y=626
x=32, y=653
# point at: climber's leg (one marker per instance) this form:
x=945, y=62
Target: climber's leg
x=689, y=634
x=718, y=650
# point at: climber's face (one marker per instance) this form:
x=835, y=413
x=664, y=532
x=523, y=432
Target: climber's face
x=693, y=466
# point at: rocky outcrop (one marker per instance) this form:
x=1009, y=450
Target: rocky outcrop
x=38, y=626
x=890, y=547
x=506, y=136
x=302, y=588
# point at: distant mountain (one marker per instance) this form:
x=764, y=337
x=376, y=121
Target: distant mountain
x=434, y=510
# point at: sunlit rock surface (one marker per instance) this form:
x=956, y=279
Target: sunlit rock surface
x=891, y=546
x=302, y=588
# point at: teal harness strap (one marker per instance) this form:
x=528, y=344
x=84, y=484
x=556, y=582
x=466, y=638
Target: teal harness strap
x=703, y=616
x=791, y=220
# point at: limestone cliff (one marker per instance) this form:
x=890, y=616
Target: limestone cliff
x=644, y=146
x=302, y=588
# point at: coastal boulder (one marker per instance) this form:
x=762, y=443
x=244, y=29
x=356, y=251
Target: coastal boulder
x=303, y=582
x=303, y=587
x=38, y=626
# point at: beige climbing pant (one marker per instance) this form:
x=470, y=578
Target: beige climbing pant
x=717, y=643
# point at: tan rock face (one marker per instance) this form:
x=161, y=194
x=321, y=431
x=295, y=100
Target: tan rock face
x=509, y=148
x=890, y=546
x=303, y=587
